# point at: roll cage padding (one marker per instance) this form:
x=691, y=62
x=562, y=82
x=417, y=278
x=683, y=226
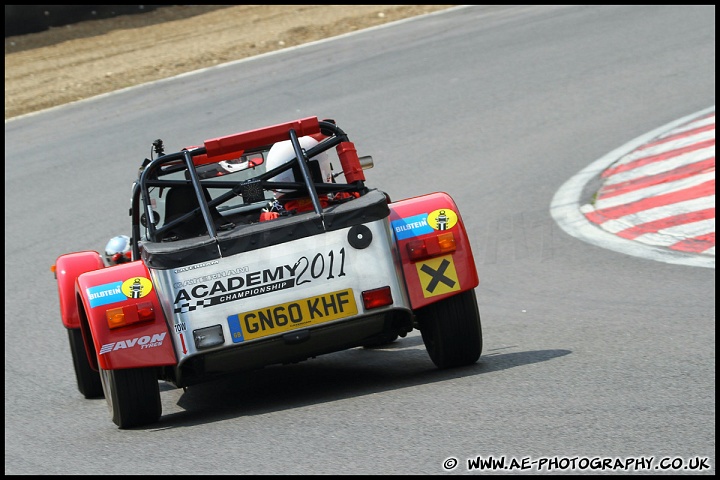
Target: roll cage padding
x=261, y=137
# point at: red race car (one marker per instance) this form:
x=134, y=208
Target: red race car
x=259, y=248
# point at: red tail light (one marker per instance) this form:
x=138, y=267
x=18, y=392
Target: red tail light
x=130, y=314
x=441, y=244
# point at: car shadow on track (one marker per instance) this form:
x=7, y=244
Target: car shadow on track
x=328, y=378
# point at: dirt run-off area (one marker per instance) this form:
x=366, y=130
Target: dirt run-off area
x=82, y=60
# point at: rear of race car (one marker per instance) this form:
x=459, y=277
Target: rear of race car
x=217, y=284
x=290, y=292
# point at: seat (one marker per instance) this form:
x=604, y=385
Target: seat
x=179, y=201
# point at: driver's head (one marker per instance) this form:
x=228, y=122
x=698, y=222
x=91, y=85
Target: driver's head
x=282, y=152
x=118, y=250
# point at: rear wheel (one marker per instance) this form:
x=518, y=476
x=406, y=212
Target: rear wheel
x=451, y=330
x=88, y=380
x=133, y=396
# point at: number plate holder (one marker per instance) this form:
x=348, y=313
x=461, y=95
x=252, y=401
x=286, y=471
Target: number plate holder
x=294, y=315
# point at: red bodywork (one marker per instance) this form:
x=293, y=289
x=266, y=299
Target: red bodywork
x=67, y=269
x=437, y=274
x=145, y=341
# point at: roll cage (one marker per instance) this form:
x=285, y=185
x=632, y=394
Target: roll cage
x=199, y=167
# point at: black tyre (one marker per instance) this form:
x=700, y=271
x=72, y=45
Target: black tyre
x=88, y=380
x=132, y=395
x=451, y=330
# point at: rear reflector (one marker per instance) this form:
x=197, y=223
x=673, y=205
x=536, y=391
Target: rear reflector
x=376, y=298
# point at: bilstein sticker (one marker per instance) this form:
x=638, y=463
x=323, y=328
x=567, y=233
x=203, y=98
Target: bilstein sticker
x=106, y=294
x=114, y=292
x=411, y=226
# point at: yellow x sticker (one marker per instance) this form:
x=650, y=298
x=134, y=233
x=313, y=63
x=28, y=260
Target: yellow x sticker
x=438, y=276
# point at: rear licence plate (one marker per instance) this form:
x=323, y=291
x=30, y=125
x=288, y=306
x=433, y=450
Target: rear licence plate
x=292, y=315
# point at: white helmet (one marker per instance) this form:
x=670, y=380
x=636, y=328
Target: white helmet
x=283, y=152
x=240, y=164
x=233, y=166
x=118, y=250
